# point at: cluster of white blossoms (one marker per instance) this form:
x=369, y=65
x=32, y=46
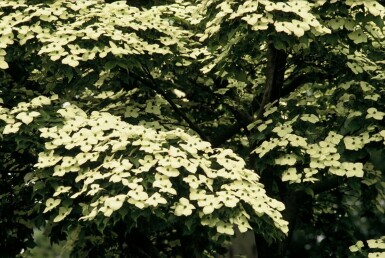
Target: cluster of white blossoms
x=23, y=114
x=98, y=157
x=260, y=15
x=376, y=247
x=117, y=165
x=75, y=32
x=306, y=157
x=247, y=18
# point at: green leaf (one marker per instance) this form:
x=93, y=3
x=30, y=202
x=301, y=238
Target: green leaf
x=280, y=45
x=377, y=157
x=110, y=65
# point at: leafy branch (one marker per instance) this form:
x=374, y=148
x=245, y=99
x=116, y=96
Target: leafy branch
x=152, y=84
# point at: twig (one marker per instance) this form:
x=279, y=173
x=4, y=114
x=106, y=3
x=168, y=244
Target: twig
x=151, y=85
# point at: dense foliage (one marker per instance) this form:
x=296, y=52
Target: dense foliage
x=156, y=129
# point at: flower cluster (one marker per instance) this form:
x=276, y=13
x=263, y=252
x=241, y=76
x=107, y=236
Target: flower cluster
x=376, y=247
x=83, y=25
x=93, y=149
x=306, y=157
x=23, y=114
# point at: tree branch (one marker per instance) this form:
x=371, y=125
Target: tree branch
x=301, y=79
x=227, y=134
x=275, y=72
x=152, y=85
x=242, y=117
x=327, y=184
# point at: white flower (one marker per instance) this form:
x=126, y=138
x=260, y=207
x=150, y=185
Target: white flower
x=50, y=204
x=47, y=159
x=296, y=140
x=94, y=189
x=197, y=194
x=334, y=138
x=353, y=142
x=228, y=199
x=287, y=159
x=282, y=130
x=192, y=180
x=156, y=199
x=242, y=223
x=210, y=203
x=138, y=193
x=63, y=212
x=27, y=118
x=48, y=132
x=376, y=243
x=353, y=169
x=356, y=247
x=12, y=128
x=183, y=207
x=61, y=189
x=168, y=171
x=332, y=160
x=266, y=146
x=375, y=114
x=112, y=204
x=291, y=175
x=327, y=147
x=225, y=228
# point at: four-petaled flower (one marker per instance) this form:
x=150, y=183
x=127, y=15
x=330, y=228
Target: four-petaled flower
x=282, y=130
x=287, y=159
x=12, y=128
x=183, y=207
x=355, y=142
x=225, y=228
x=291, y=175
x=374, y=113
x=376, y=243
x=210, y=203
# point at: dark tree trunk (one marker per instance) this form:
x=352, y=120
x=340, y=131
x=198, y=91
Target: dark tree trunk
x=275, y=71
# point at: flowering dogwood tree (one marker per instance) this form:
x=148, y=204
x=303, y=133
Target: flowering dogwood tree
x=158, y=129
